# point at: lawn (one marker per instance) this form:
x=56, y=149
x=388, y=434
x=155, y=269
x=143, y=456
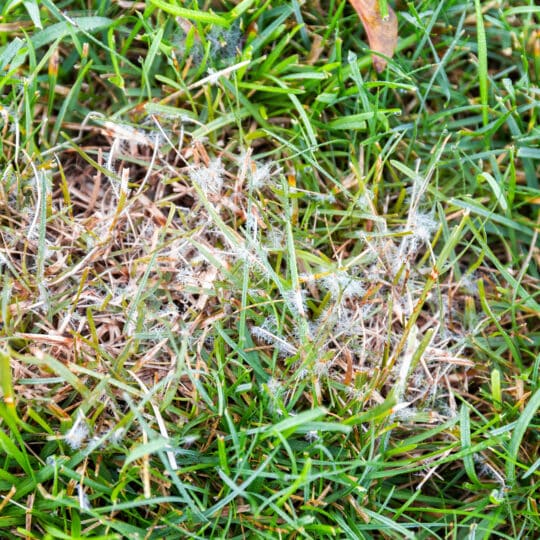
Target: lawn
x=253, y=288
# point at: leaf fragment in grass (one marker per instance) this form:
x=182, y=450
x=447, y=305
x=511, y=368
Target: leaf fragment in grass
x=381, y=28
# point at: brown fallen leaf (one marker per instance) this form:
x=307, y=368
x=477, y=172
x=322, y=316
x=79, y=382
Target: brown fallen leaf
x=382, y=33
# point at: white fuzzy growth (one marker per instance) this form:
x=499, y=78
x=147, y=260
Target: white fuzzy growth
x=275, y=240
x=78, y=433
x=296, y=301
x=423, y=226
x=262, y=175
x=117, y=435
x=189, y=440
x=84, y=502
x=406, y=414
x=213, y=76
x=323, y=197
x=274, y=387
x=252, y=225
x=341, y=284
x=268, y=337
x=209, y=179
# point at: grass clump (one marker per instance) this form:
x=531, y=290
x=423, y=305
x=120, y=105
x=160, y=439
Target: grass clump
x=252, y=289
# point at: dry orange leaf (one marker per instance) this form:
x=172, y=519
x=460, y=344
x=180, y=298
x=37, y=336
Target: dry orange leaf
x=382, y=33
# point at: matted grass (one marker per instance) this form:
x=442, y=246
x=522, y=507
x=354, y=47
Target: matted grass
x=252, y=289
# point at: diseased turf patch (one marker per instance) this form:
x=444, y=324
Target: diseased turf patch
x=251, y=290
